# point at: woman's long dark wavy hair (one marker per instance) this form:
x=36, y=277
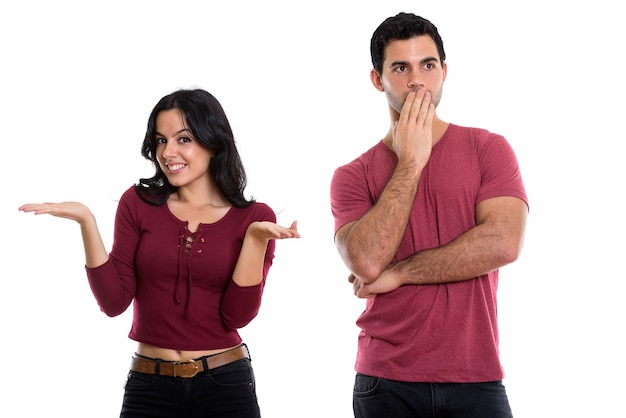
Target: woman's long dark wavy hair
x=209, y=125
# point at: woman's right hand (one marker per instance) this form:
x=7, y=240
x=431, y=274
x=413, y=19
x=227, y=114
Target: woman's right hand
x=75, y=211
x=95, y=252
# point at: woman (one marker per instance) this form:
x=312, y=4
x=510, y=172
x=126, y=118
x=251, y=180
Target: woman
x=192, y=254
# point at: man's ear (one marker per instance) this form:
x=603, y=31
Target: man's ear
x=376, y=80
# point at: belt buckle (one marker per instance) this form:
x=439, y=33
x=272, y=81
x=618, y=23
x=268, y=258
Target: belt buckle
x=183, y=362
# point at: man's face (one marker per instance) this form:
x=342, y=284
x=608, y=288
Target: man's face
x=408, y=65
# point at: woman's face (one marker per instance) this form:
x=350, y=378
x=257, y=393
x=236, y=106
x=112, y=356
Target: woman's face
x=181, y=157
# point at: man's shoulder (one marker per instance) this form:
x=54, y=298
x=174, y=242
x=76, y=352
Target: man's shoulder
x=366, y=156
x=470, y=131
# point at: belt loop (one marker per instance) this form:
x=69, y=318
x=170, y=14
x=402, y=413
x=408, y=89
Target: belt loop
x=205, y=365
x=157, y=367
x=247, y=350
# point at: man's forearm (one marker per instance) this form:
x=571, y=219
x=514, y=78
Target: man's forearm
x=371, y=243
x=478, y=251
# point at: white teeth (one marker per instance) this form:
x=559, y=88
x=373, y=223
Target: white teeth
x=175, y=166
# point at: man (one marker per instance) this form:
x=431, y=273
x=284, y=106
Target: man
x=423, y=220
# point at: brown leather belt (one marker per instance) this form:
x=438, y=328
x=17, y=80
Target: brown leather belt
x=187, y=368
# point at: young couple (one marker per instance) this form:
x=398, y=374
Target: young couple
x=423, y=221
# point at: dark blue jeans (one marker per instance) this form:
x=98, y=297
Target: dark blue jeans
x=375, y=397
x=226, y=391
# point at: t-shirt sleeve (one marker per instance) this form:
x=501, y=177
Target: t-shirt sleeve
x=350, y=198
x=500, y=172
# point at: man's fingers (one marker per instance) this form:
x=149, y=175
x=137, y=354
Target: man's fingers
x=407, y=107
x=424, y=107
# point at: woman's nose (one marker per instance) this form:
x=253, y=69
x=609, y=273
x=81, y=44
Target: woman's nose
x=169, y=150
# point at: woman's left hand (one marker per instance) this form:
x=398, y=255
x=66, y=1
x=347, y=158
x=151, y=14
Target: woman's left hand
x=265, y=231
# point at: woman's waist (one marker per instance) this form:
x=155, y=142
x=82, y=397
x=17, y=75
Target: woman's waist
x=169, y=340
x=169, y=354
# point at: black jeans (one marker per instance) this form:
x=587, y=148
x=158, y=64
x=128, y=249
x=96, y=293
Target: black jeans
x=375, y=397
x=226, y=391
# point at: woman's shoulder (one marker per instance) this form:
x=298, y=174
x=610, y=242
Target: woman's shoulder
x=131, y=198
x=259, y=211
x=130, y=194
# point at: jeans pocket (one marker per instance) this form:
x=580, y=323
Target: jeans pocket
x=496, y=386
x=365, y=385
x=139, y=381
x=236, y=373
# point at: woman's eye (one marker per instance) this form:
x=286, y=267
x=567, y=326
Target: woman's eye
x=184, y=139
x=160, y=141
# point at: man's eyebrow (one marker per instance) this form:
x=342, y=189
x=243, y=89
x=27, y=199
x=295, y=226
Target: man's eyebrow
x=429, y=59
x=398, y=63
x=423, y=61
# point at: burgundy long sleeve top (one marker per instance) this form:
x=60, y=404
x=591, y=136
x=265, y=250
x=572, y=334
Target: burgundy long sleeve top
x=182, y=292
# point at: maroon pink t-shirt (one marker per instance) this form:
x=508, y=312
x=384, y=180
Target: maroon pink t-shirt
x=432, y=333
x=183, y=298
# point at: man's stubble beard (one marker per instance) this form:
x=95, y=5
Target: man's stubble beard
x=396, y=104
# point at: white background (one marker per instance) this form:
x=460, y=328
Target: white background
x=80, y=78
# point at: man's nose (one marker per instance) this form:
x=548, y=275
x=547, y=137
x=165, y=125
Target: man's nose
x=415, y=81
